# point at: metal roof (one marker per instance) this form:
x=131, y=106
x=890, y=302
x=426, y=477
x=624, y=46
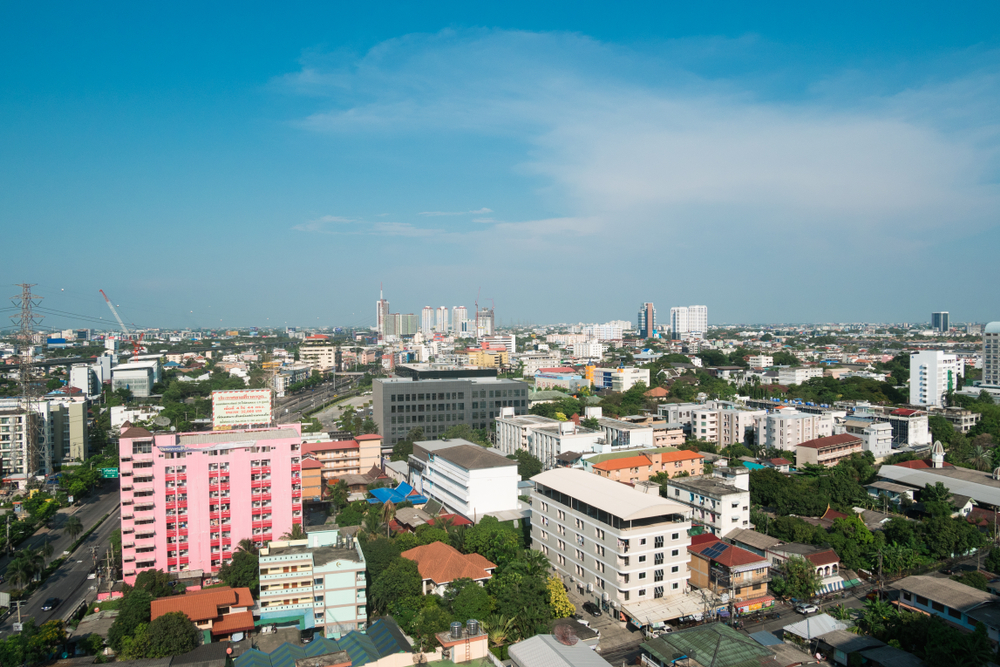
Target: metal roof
x=712, y=645
x=977, y=485
x=950, y=593
x=817, y=625
x=546, y=651
x=618, y=499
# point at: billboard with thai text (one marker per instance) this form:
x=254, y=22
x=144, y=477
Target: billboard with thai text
x=240, y=408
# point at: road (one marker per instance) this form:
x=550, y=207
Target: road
x=68, y=581
x=329, y=417
x=291, y=408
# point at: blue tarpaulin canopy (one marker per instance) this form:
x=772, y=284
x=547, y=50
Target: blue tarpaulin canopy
x=402, y=493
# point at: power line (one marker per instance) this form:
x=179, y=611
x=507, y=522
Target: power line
x=27, y=320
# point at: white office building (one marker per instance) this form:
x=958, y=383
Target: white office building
x=544, y=438
x=588, y=350
x=679, y=321
x=933, y=374
x=787, y=428
x=698, y=319
x=427, y=321
x=459, y=316
x=718, y=506
x=760, y=361
x=620, y=434
x=466, y=478
x=441, y=321
x=798, y=374
x=611, y=542
x=85, y=379
x=724, y=426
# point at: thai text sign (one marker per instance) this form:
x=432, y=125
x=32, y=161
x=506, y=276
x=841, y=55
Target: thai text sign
x=240, y=407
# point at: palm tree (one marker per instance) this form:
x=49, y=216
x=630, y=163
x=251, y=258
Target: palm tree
x=247, y=545
x=20, y=573
x=73, y=527
x=876, y=617
x=388, y=512
x=536, y=564
x=296, y=533
x=980, y=458
x=46, y=550
x=497, y=627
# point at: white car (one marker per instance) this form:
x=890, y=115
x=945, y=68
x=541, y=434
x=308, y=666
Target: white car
x=807, y=608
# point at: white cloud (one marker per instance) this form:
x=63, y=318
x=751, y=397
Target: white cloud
x=439, y=213
x=323, y=224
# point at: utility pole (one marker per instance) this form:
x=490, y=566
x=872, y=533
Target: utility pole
x=26, y=321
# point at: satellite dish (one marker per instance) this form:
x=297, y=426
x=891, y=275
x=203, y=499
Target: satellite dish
x=162, y=421
x=725, y=597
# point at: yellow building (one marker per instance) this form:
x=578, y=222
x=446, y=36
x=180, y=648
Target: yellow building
x=488, y=358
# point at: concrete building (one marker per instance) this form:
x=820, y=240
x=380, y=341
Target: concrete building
x=620, y=379
x=612, y=543
x=85, y=379
x=991, y=354
x=717, y=505
x=178, y=491
x=786, y=428
x=61, y=432
x=346, y=457
x=643, y=465
x=953, y=602
x=647, y=320
x=535, y=361
x=319, y=582
x=760, y=361
x=678, y=322
x=798, y=374
x=828, y=451
x=589, y=350
x=941, y=322
x=435, y=405
x=933, y=374
x=324, y=356
x=697, y=319
x=678, y=413
x=441, y=324
x=487, y=358
x=459, y=316
x=544, y=438
x=619, y=434
x=464, y=477
x=138, y=377
x=876, y=437
x=962, y=420
x=566, y=378
x=381, y=315
x=724, y=426
x=909, y=427
x=220, y=612
x=726, y=569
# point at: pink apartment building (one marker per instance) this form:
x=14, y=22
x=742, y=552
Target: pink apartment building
x=187, y=499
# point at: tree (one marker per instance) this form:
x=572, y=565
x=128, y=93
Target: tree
x=338, y=493
x=172, y=633
x=976, y=580
x=470, y=600
x=936, y=499
x=154, y=582
x=133, y=610
x=296, y=533
x=401, y=579
x=242, y=572
x=591, y=423
x=498, y=629
x=136, y=645
x=558, y=599
x=796, y=578
x=493, y=540
x=993, y=561
x=527, y=465
x=379, y=554
x=73, y=527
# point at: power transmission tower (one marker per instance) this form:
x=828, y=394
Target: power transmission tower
x=26, y=321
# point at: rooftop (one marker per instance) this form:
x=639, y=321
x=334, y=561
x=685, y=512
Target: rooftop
x=604, y=494
x=832, y=441
x=547, y=651
x=726, y=554
x=712, y=486
x=712, y=645
x=962, y=481
x=202, y=605
x=465, y=454
x=321, y=555
x=752, y=538
x=947, y=592
x=442, y=563
x=624, y=462
x=218, y=437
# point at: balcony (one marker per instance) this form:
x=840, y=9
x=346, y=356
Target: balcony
x=296, y=493
x=296, y=467
x=262, y=524
x=262, y=495
x=265, y=470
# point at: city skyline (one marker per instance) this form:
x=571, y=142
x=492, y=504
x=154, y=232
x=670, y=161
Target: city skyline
x=774, y=151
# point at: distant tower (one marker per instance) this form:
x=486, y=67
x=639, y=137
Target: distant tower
x=427, y=321
x=647, y=320
x=991, y=354
x=679, y=322
x=459, y=315
x=937, y=455
x=381, y=313
x=941, y=321
x=698, y=319
x=441, y=322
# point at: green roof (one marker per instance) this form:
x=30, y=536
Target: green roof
x=600, y=458
x=713, y=645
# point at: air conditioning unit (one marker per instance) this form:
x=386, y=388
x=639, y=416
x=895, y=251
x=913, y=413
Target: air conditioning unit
x=590, y=588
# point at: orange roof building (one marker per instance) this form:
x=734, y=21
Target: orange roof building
x=639, y=468
x=440, y=564
x=223, y=611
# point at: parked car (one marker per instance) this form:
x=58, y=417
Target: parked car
x=591, y=609
x=50, y=604
x=807, y=608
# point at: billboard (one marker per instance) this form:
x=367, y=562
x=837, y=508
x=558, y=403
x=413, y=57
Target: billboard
x=240, y=408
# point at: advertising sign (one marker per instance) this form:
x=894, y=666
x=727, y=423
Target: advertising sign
x=240, y=408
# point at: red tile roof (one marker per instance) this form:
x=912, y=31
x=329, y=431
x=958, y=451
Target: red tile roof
x=442, y=563
x=920, y=464
x=657, y=392
x=826, y=557
x=314, y=447
x=202, y=605
x=832, y=441
x=624, y=462
x=682, y=455
x=369, y=436
x=904, y=412
x=136, y=432
x=241, y=621
x=704, y=538
x=561, y=369
x=831, y=514
x=781, y=462
x=730, y=557
x=311, y=464
x=453, y=519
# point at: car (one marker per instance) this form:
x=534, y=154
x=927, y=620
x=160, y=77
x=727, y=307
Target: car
x=591, y=609
x=50, y=604
x=807, y=608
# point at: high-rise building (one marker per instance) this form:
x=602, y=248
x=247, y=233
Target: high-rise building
x=459, y=315
x=940, y=321
x=991, y=354
x=933, y=374
x=427, y=320
x=678, y=322
x=407, y=324
x=179, y=492
x=441, y=322
x=381, y=314
x=485, y=322
x=647, y=320
x=698, y=319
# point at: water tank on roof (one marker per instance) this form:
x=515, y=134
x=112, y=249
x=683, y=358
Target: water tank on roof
x=472, y=626
x=456, y=630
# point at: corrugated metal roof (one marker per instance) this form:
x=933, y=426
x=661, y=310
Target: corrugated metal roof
x=814, y=626
x=545, y=651
x=712, y=645
x=980, y=487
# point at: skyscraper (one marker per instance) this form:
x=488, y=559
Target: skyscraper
x=485, y=322
x=678, y=322
x=933, y=375
x=459, y=315
x=991, y=354
x=427, y=320
x=381, y=313
x=441, y=323
x=940, y=321
x=647, y=320
x=698, y=319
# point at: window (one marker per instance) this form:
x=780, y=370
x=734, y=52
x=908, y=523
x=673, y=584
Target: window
x=642, y=592
x=675, y=568
x=658, y=592
x=658, y=575
x=642, y=559
x=642, y=575
x=658, y=542
x=658, y=558
x=954, y=613
x=674, y=586
x=921, y=600
x=672, y=537
x=937, y=606
x=317, y=582
x=674, y=553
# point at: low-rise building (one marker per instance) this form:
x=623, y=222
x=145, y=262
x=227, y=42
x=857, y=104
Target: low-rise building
x=319, y=582
x=612, y=543
x=953, y=602
x=798, y=374
x=828, y=451
x=644, y=464
x=620, y=379
x=440, y=564
x=961, y=419
x=543, y=437
x=221, y=612
x=727, y=569
x=346, y=457
x=626, y=435
x=718, y=506
x=787, y=427
x=466, y=478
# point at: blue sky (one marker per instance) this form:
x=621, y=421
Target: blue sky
x=249, y=164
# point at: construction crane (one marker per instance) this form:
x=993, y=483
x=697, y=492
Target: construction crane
x=113, y=311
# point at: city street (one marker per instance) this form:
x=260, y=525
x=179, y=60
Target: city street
x=70, y=581
x=328, y=417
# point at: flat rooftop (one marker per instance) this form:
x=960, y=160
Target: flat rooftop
x=705, y=485
x=321, y=555
x=613, y=497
